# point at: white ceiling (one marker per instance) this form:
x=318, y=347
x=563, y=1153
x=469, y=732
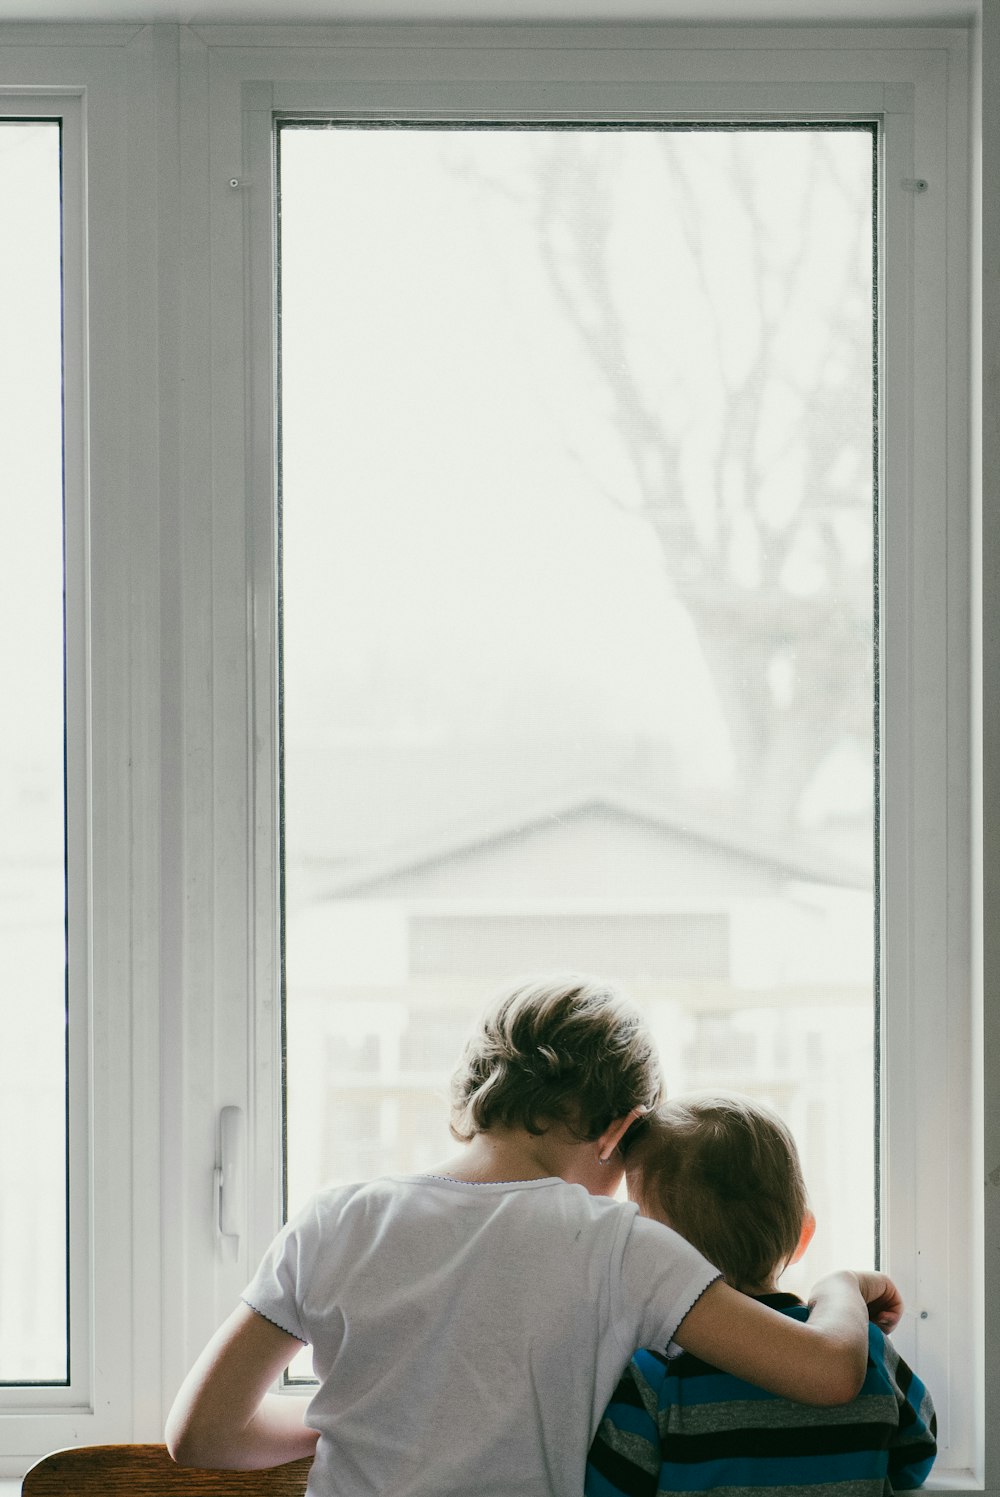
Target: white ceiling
x=814, y=12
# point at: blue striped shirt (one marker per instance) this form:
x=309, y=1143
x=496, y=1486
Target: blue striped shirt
x=678, y=1425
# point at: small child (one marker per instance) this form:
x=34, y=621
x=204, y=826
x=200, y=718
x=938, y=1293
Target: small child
x=469, y=1325
x=724, y=1172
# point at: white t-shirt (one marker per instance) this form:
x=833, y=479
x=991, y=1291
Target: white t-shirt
x=467, y=1338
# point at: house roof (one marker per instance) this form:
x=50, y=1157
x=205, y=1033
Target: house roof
x=779, y=858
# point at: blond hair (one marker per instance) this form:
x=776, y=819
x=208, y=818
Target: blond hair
x=567, y=1049
x=724, y=1172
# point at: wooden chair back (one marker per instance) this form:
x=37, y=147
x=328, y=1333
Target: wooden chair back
x=148, y=1471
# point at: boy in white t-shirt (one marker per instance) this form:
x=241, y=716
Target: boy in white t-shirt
x=469, y=1325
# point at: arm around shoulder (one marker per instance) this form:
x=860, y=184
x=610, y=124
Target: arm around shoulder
x=821, y=1361
x=223, y=1415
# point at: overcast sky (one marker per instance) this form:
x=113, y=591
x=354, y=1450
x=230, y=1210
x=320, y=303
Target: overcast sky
x=459, y=553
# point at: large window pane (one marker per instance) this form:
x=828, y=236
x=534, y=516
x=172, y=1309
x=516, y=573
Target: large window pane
x=578, y=523
x=33, y=1296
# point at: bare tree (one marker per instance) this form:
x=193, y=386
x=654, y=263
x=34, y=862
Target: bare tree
x=791, y=664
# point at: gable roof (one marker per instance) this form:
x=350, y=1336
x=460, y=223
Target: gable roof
x=777, y=859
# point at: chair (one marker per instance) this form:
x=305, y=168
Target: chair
x=148, y=1471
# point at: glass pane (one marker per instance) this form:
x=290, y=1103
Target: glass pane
x=33, y=1294
x=578, y=524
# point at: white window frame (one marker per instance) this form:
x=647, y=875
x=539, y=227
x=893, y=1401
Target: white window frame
x=67, y=111
x=177, y=475
x=109, y=379
x=914, y=85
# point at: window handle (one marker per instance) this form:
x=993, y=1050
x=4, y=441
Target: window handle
x=230, y=1172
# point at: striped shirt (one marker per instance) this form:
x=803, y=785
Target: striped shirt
x=677, y=1425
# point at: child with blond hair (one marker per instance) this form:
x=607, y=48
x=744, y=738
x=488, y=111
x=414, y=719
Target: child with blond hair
x=724, y=1172
x=469, y=1325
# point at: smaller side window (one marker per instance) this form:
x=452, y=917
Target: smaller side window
x=34, y=1301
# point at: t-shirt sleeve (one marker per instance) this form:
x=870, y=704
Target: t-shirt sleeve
x=663, y=1276
x=275, y=1289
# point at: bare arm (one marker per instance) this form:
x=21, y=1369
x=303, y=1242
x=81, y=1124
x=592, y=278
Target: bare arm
x=224, y=1417
x=821, y=1361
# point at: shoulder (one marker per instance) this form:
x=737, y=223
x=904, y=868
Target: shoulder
x=576, y=1198
x=655, y=1259
x=654, y=1248
x=887, y=1368
x=330, y=1201
x=884, y=1362
x=598, y=1219
x=336, y=1206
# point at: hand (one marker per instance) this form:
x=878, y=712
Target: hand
x=884, y=1301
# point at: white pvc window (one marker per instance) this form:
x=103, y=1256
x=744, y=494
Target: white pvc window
x=67, y=913
x=172, y=748
x=579, y=522
x=34, y=1303
x=364, y=1048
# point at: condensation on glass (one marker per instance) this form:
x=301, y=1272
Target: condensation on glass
x=577, y=524
x=33, y=1178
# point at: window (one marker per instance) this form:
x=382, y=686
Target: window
x=351, y=897
x=33, y=1227
x=169, y=242
x=79, y=817
x=596, y=623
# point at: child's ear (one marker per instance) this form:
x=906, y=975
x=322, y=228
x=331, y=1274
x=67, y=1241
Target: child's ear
x=613, y=1135
x=805, y=1236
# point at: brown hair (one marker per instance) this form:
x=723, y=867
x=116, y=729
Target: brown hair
x=724, y=1172
x=566, y=1049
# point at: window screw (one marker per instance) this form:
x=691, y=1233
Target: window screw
x=915, y=184
x=924, y=1314
x=236, y=182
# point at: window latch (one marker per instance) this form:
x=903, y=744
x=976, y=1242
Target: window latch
x=231, y=1174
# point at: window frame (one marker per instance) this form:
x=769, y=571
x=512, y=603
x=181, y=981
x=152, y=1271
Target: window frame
x=85, y=81
x=177, y=446
x=66, y=112
x=915, y=91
